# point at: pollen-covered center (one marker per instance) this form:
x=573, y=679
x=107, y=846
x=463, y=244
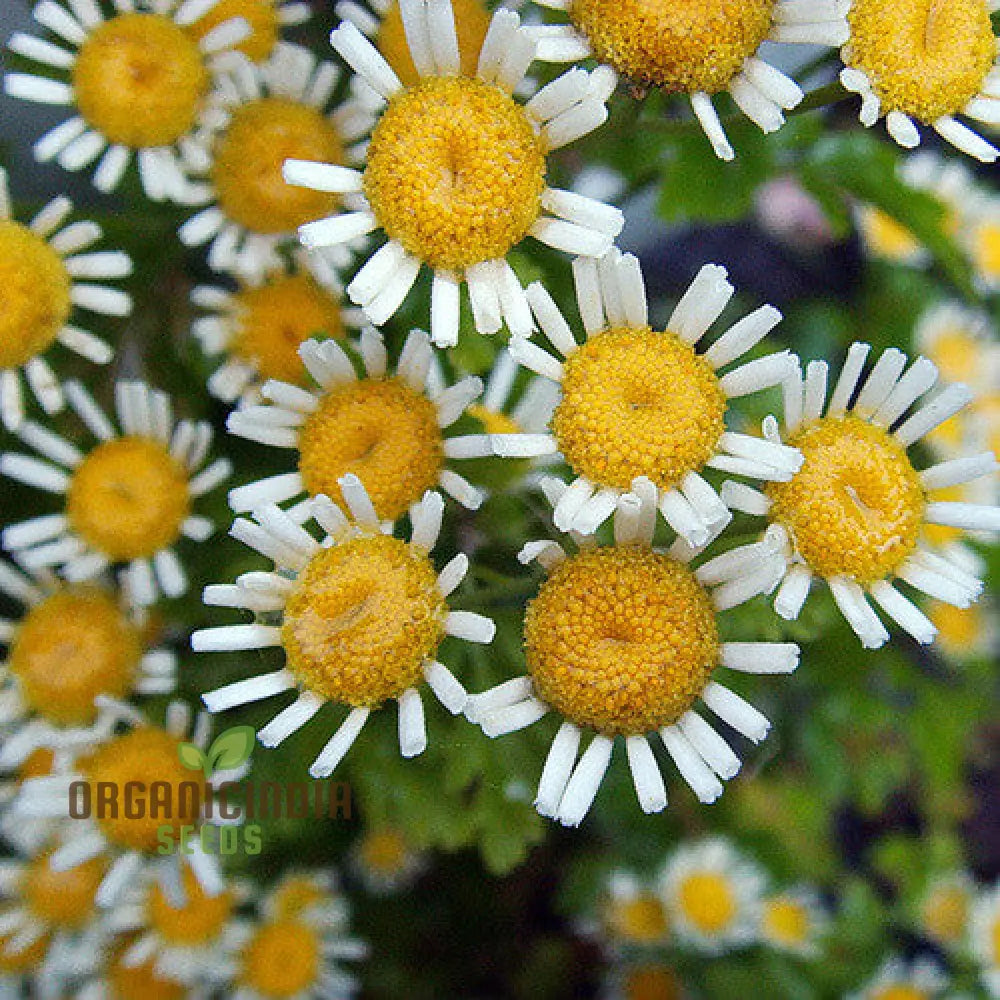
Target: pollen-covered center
x=36, y=295
x=128, y=498
x=146, y=756
x=282, y=959
x=249, y=157
x=641, y=919
x=926, y=58
x=786, y=921
x=198, y=922
x=63, y=899
x=384, y=852
x=680, y=45
x=455, y=172
x=139, y=80
x=707, y=901
x=638, y=403
x=71, y=648
x=856, y=506
x=261, y=15
x=362, y=620
x=274, y=319
x=621, y=640
x=384, y=433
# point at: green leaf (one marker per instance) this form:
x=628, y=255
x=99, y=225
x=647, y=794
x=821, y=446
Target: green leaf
x=191, y=757
x=232, y=748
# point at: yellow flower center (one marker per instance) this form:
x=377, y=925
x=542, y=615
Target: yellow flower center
x=131, y=981
x=198, y=922
x=707, y=901
x=926, y=58
x=642, y=919
x=261, y=15
x=471, y=23
x=492, y=421
x=900, y=991
x=786, y=921
x=944, y=913
x=25, y=961
x=37, y=764
x=680, y=45
x=957, y=354
x=638, y=403
x=248, y=160
x=139, y=80
x=886, y=237
x=996, y=942
x=384, y=852
x=36, y=295
x=295, y=895
x=274, y=319
x=621, y=640
x=455, y=172
x=362, y=620
x=856, y=506
x=128, y=498
x=144, y=756
x=62, y=899
x=383, y=432
x=282, y=959
x=652, y=982
x=70, y=648
x=960, y=630
x=986, y=250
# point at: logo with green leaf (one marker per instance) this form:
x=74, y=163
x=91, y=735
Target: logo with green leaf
x=230, y=749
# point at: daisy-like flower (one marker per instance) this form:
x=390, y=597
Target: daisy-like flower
x=632, y=913
x=114, y=980
x=984, y=938
x=964, y=633
x=713, y=895
x=622, y=640
x=127, y=843
x=699, y=48
x=944, y=908
x=794, y=921
x=899, y=980
x=455, y=171
x=913, y=62
x=258, y=117
x=266, y=18
x=962, y=344
x=128, y=499
x=47, y=275
x=854, y=513
x=385, y=861
x=386, y=429
x=636, y=402
x=981, y=238
x=73, y=644
x=259, y=327
x=136, y=82
x=358, y=617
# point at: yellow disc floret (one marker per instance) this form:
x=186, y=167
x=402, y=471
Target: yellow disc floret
x=248, y=160
x=144, y=756
x=707, y=901
x=139, y=80
x=985, y=239
x=128, y=498
x=63, y=899
x=363, y=619
x=36, y=290
x=926, y=58
x=274, y=319
x=652, y=982
x=198, y=922
x=261, y=15
x=960, y=631
x=641, y=919
x=472, y=21
x=25, y=960
x=945, y=912
x=128, y=982
x=455, y=172
x=71, y=648
x=384, y=852
x=900, y=991
x=282, y=959
x=785, y=921
x=638, y=403
x=886, y=237
x=621, y=640
x=680, y=45
x=384, y=433
x=296, y=895
x=856, y=506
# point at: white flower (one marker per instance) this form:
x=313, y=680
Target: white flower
x=921, y=979
x=794, y=920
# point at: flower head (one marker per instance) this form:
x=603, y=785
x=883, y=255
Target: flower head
x=455, y=172
x=945, y=907
x=385, y=861
x=266, y=18
x=898, y=980
x=633, y=913
x=793, y=920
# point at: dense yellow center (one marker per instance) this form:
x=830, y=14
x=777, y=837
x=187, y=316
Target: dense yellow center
x=621, y=640
x=261, y=15
x=926, y=58
x=384, y=852
x=362, y=620
x=986, y=250
x=139, y=80
x=786, y=921
x=27, y=960
x=944, y=913
x=492, y=421
x=129, y=982
x=707, y=901
x=70, y=648
x=384, y=433
x=248, y=160
x=128, y=498
x=652, y=982
x=900, y=991
x=958, y=355
x=274, y=319
x=144, y=755
x=37, y=764
x=641, y=920
x=62, y=899
x=198, y=922
x=36, y=302
x=856, y=506
x=638, y=403
x=886, y=237
x=960, y=631
x=681, y=45
x=455, y=172
x=282, y=959
x=295, y=895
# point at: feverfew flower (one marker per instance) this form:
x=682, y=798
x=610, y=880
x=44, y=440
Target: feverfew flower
x=385, y=861
x=455, y=172
x=266, y=18
x=794, y=921
x=632, y=913
x=945, y=907
x=358, y=617
x=917, y=980
x=47, y=275
x=961, y=342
